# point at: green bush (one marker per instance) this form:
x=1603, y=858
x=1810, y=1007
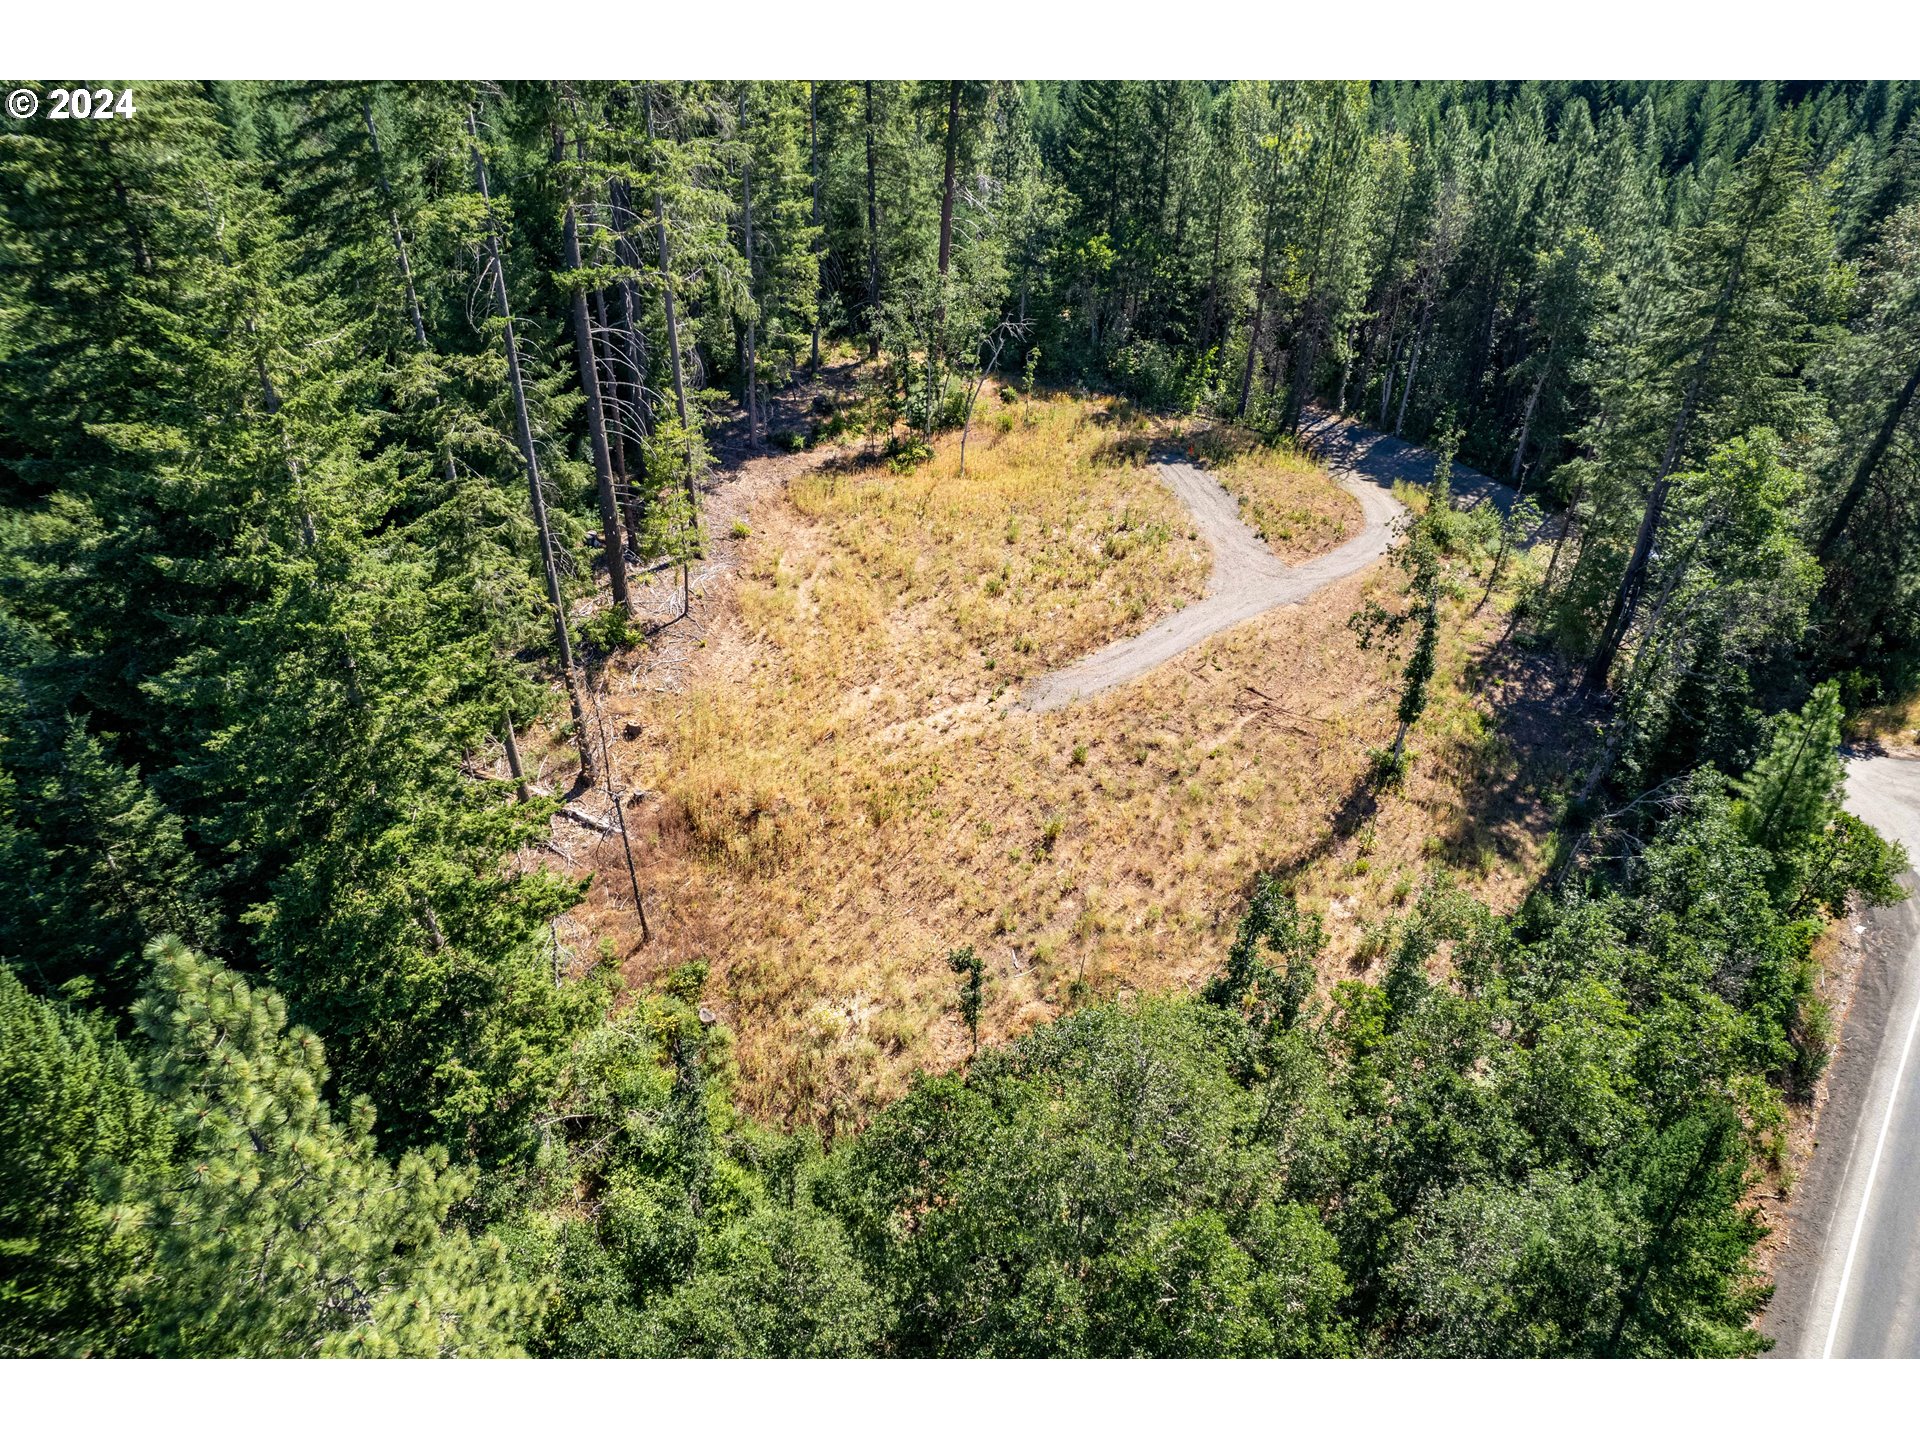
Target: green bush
x=907, y=453
x=610, y=629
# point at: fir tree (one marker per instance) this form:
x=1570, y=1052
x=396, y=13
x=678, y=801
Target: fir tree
x=77, y=1134
x=1794, y=788
x=966, y=963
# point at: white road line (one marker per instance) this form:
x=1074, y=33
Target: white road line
x=1866, y=1194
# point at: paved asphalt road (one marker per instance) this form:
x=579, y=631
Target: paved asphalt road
x=1850, y=1282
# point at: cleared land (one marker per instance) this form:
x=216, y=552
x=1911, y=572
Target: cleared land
x=836, y=789
x=1246, y=580
x=1279, y=492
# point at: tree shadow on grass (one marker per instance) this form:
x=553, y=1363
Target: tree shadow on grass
x=1356, y=807
x=1511, y=785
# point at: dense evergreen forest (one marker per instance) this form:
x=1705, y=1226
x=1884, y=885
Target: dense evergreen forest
x=325, y=410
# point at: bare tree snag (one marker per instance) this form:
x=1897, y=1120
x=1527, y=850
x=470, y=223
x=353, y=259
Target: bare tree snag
x=523, y=426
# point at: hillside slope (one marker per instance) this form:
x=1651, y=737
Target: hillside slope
x=837, y=789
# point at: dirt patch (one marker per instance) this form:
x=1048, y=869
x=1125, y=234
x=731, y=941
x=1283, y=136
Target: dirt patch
x=1894, y=727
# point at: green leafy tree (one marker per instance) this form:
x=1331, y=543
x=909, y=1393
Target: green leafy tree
x=1509, y=1270
x=781, y=1282
x=1270, y=996
x=1088, y=1191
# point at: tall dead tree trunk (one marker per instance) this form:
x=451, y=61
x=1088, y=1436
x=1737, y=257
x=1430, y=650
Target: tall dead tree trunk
x=514, y=766
x=523, y=426
x=673, y=352
x=393, y=219
x=873, y=238
x=1386, y=380
x=746, y=222
x=673, y=322
x=946, y=222
x=946, y=185
x=1533, y=401
x=1413, y=365
x=611, y=544
x=813, y=171
x=629, y=388
x=619, y=812
x=605, y=342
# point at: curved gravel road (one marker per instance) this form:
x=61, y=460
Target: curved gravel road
x=1248, y=579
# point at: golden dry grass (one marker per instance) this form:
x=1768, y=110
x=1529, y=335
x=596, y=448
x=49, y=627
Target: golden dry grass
x=1284, y=496
x=838, y=792
x=1895, y=723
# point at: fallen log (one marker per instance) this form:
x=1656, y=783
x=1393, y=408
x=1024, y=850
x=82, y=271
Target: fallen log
x=591, y=822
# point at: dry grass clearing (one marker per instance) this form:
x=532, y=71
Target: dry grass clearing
x=837, y=792
x=1284, y=495
x=1896, y=723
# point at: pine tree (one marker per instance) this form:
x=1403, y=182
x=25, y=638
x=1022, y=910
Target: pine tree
x=523, y=425
x=783, y=273
x=285, y=1233
x=1895, y=320
x=1733, y=580
x=1868, y=510
x=93, y=864
x=581, y=179
x=1334, y=183
x=966, y=963
x=274, y=769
